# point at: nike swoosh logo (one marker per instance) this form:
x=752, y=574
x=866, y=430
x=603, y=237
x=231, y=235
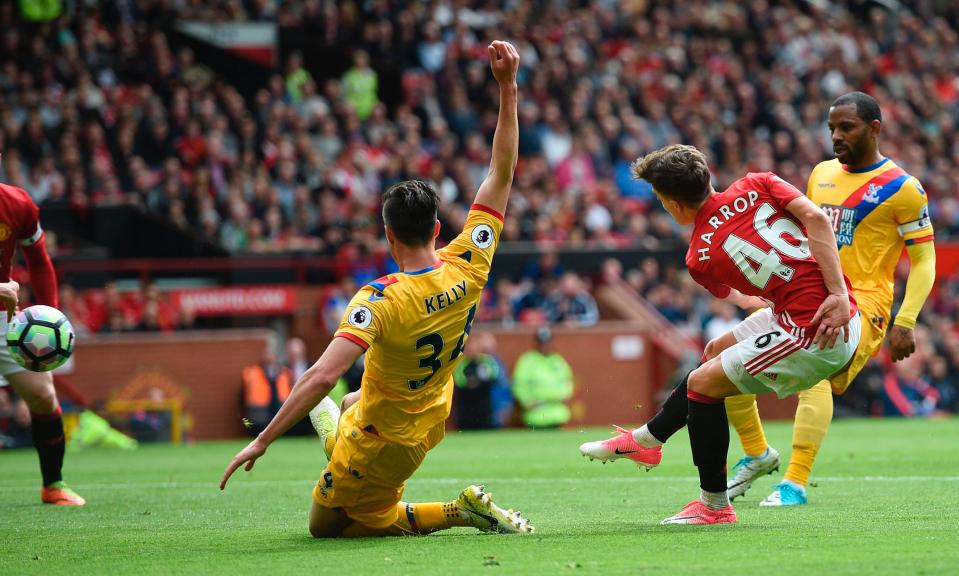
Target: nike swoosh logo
x=618, y=451
x=492, y=520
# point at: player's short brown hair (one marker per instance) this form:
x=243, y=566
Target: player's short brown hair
x=409, y=209
x=678, y=172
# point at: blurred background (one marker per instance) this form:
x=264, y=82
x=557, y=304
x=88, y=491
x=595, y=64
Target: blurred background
x=209, y=175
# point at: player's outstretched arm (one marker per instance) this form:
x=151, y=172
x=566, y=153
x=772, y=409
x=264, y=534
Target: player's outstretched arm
x=833, y=314
x=494, y=192
x=312, y=387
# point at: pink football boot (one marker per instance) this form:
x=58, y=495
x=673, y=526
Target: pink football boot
x=623, y=446
x=698, y=513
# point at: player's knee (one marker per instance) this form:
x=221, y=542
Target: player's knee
x=325, y=529
x=704, y=387
x=40, y=399
x=349, y=400
x=697, y=381
x=712, y=349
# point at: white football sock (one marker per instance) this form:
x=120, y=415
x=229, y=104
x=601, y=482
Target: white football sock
x=714, y=500
x=645, y=438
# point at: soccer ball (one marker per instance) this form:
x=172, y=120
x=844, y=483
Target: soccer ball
x=40, y=338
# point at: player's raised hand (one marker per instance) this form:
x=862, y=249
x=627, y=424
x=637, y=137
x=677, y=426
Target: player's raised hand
x=248, y=455
x=504, y=61
x=833, y=319
x=10, y=297
x=902, y=342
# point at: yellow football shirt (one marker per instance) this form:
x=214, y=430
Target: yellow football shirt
x=875, y=211
x=414, y=326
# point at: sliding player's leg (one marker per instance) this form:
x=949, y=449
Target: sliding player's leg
x=46, y=421
x=364, y=483
x=409, y=519
x=473, y=508
x=325, y=418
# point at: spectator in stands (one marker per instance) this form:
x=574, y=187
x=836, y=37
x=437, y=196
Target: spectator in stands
x=297, y=78
x=150, y=317
x=185, y=319
x=906, y=392
x=945, y=382
x=74, y=308
x=571, y=303
x=529, y=305
x=296, y=357
x=337, y=302
x=542, y=384
x=502, y=392
x=724, y=318
x=475, y=377
x=360, y=86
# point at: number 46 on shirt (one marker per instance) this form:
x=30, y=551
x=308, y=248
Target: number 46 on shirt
x=758, y=265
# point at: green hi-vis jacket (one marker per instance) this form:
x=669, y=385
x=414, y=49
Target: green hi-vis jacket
x=541, y=385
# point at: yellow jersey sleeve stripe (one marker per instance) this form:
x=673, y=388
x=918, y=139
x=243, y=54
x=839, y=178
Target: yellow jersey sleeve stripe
x=488, y=210
x=353, y=338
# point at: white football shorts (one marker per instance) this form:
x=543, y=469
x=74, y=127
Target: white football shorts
x=769, y=358
x=7, y=364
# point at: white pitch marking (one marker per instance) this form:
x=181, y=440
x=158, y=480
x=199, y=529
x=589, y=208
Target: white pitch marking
x=240, y=483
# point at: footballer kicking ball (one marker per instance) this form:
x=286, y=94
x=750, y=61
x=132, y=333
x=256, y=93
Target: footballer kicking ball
x=40, y=338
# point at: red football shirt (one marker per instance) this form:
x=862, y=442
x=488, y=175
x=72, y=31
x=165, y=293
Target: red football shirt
x=19, y=224
x=744, y=238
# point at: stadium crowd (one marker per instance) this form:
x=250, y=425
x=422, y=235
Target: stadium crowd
x=97, y=107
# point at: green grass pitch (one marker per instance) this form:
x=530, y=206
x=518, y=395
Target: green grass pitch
x=884, y=500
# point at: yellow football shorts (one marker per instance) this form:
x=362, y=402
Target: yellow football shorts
x=366, y=474
x=874, y=320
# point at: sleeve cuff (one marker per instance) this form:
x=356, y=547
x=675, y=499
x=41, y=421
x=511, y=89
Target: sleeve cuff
x=903, y=322
x=488, y=210
x=354, y=339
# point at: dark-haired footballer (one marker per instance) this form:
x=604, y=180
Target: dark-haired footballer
x=413, y=326
x=759, y=238
x=876, y=208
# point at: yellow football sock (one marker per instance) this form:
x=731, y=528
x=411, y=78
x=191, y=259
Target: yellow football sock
x=426, y=517
x=812, y=421
x=743, y=414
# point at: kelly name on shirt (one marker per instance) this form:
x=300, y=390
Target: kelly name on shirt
x=444, y=299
